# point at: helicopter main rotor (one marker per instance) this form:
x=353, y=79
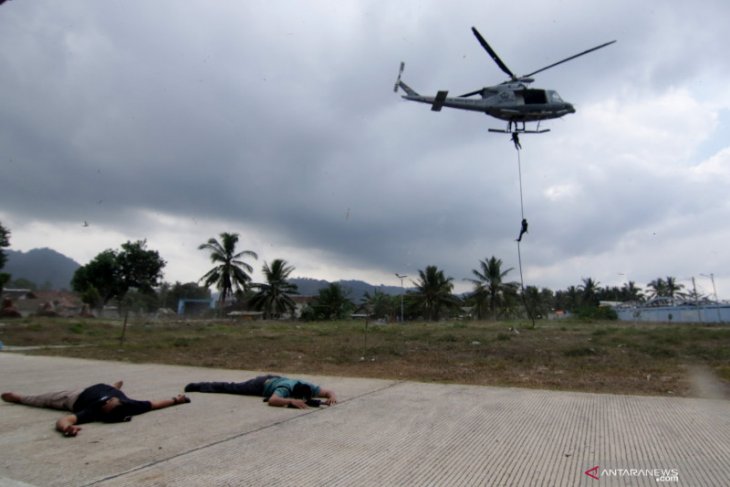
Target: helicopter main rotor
x=527, y=78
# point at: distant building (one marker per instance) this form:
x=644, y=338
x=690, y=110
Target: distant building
x=195, y=307
x=667, y=310
x=29, y=302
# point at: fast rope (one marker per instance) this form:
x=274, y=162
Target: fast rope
x=523, y=226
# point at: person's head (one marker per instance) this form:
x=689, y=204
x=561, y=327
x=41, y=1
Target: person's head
x=108, y=404
x=114, y=410
x=301, y=391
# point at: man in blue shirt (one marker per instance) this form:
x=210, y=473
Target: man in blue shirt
x=100, y=402
x=275, y=389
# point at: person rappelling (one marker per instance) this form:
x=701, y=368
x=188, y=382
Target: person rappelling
x=523, y=230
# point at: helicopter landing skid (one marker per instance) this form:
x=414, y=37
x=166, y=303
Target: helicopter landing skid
x=519, y=131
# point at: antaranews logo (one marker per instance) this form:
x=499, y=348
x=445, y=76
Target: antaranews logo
x=592, y=472
x=659, y=474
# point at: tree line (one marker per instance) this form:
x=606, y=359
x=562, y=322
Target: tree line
x=132, y=276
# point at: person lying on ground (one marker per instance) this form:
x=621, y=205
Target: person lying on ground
x=276, y=390
x=100, y=402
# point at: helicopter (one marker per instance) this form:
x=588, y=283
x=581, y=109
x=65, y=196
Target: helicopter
x=511, y=100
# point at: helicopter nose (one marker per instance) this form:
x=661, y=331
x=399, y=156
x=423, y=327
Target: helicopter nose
x=569, y=107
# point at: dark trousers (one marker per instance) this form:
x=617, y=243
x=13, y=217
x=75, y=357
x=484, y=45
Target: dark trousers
x=252, y=387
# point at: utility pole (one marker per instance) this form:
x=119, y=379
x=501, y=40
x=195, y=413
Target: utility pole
x=402, y=291
x=697, y=304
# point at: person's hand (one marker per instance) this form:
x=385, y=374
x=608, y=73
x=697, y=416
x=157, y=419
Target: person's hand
x=329, y=395
x=71, y=430
x=181, y=399
x=297, y=403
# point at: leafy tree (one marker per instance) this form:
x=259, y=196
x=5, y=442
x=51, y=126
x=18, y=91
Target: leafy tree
x=433, y=292
x=274, y=297
x=230, y=273
x=489, y=286
x=4, y=242
x=539, y=301
x=101, y=274
x=332, y=303
x=91, y=297
x=380, y=305
x=112, y=274
x=141, y=301
x=139, y=268
x=4, y=278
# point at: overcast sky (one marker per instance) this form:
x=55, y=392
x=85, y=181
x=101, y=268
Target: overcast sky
x=175, y=121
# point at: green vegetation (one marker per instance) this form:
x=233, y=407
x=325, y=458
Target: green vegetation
x=230, y=272
x=4, y=242
x=112, y=274
x=595, y=356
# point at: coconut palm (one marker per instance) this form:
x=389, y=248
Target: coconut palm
x=673, y=289
x=568, y=300
x=629, y=292
x=657, y=288
x=489, y=286
x=666, y=288
x=589, y=292
x=433, y=291
x=231, y=272
x=274, y=297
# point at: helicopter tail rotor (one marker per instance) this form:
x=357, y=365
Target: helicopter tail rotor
x=397, y=81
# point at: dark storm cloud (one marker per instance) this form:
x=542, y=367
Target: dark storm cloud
x=282, y=120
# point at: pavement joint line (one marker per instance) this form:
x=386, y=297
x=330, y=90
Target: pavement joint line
x=240, y=435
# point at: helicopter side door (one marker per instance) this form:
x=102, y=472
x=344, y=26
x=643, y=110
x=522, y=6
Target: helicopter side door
x=532, y=96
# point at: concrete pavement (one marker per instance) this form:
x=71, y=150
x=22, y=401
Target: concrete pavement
x=382, y=433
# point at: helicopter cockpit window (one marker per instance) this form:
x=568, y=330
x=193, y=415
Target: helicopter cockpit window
x=555, y=97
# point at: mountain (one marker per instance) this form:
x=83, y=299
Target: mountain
x=45, y=267
x=49, y=269
x=356, y=289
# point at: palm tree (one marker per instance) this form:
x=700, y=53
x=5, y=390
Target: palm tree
x=489, y=287
x=629, y=292
x=274, y=297
x=230, y=271
x=589, y=290
x=657, y=288
x=674, y=290
x=434, y=291
x=568, y=299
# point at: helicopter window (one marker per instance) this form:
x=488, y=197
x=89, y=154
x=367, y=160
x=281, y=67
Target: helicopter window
x=533, y=97
x=555, y=97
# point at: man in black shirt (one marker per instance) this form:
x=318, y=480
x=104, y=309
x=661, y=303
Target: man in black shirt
x=100, y=402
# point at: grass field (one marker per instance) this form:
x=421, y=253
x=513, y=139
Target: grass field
x=612, y=357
